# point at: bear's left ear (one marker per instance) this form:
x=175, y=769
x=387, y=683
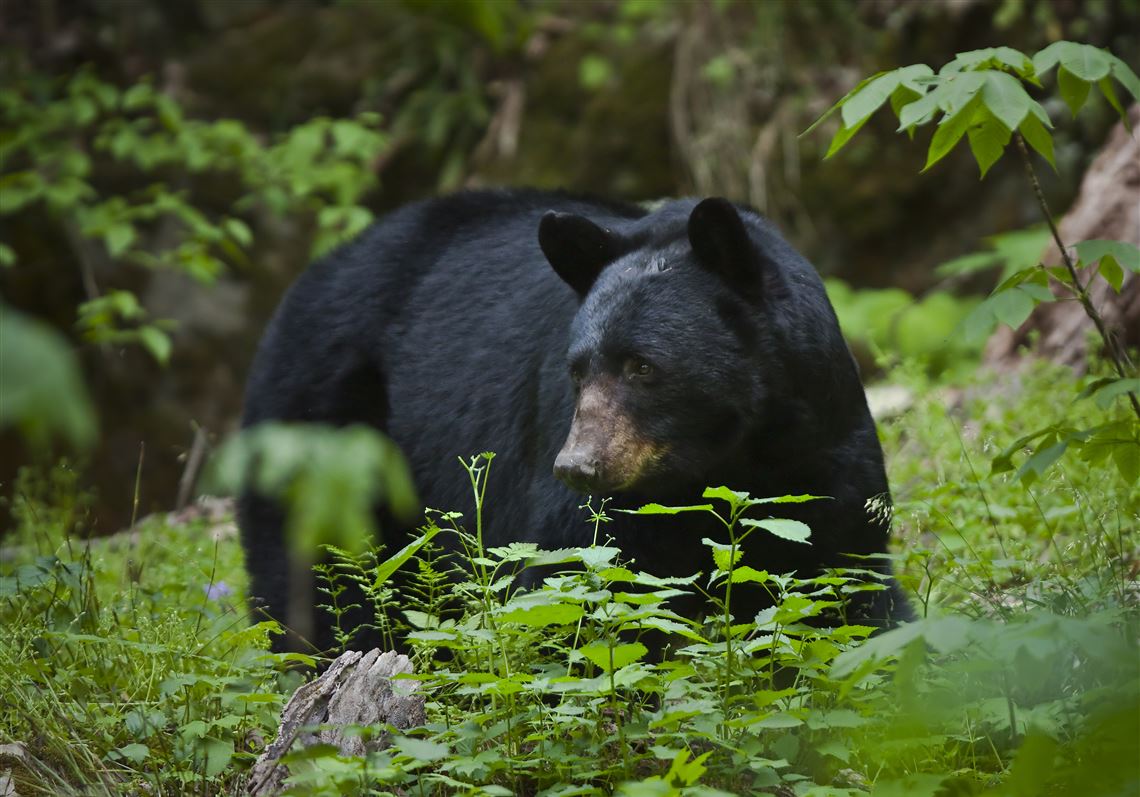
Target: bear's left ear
x=721, y=243
x=577, y=248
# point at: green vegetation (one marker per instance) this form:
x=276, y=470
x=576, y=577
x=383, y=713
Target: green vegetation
x=127, y=665
x=131, y=662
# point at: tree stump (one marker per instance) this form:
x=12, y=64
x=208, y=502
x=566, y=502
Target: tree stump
x=357, y=689
x=1107, y=206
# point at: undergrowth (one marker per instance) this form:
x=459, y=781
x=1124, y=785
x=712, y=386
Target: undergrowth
x=127, y=667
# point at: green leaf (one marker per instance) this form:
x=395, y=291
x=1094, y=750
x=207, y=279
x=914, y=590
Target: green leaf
x=1085, y=61
x=156, y=342
x=734, y=497
x=118, y=238
x=1123, y=73
x=544, y=615
x=7, y=256
x=791, y=530
x=868, y=99
x=1126, y=254
x=988, y=139
x=1126, y=457
x=1039, y=138
x=746, y=573
x=724, y=556
x=393, y=563
x=901, y=97
x=1112, y=389
x=1112, y=272
x=420, y=749
x=839, y=105
x=42, y=394
x=238, y=231
x=842, y=136
x=950, y=131
x=1074, y=90
x=1005, y=98
x=658, y=509
x=594, y=71
x=1011, y=307
x=1106, y=88
x=1042, y=460
x=218, y=753
x=1033, y=766
x=135, y=753
x=599, y=653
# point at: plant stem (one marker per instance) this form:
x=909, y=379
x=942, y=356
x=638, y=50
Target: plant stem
x=1116, y=353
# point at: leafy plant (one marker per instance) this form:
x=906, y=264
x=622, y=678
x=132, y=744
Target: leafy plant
x=66, y=140
x=981, y=96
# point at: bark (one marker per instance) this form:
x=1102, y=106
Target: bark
x=357, y=689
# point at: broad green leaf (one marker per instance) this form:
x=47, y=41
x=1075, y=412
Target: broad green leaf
x=544, y=615
x=724, y=556
x=218, y=753
x=788, y=499
x=900, y=98
x=842, y=101
x=949, y=132
x=1011, y=307
x=1033, y=766
x=600, y=654
x=1123, y=73
x=734, y=497
x=920, y=111
x=1109, y=92
x=1045, y=59
x=988, y=139
x=393, y=563
x=746, y=573
x=1113, y=389
x=1005, y=98
x=1112, y=272
x=1126, y=457
x=156, y=342
x=658, y=509
x=1041, y=460
x=42, y=393
x=1126, y=254
x=118, y=238
x=842, y=136
x=960, y=90
x=1085, y=61
x=1039, y=138
x=420, y=749
x=1074, y=90
x=868, y=99
x=785, y=529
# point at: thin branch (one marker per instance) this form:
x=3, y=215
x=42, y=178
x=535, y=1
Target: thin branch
x=1116, y=353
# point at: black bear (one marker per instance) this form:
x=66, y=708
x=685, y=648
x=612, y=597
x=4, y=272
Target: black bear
x=598, y=348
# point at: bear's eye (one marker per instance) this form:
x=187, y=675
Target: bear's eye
x=637, y=368
x=577, y=373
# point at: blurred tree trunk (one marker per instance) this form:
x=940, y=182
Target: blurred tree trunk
x=1107, y=207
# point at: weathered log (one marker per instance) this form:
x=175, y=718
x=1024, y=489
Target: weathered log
x=1107, y=207
x=357, y=689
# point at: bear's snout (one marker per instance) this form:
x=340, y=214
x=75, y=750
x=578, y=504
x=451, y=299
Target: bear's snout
x=604, y=452
x=578, y=470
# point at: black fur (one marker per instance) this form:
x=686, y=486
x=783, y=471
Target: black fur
x=445, y=326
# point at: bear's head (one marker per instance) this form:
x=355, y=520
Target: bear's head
x=669, y=354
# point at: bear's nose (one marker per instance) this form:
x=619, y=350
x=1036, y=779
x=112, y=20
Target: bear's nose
x=578, y=470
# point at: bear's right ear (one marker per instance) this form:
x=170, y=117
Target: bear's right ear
x=577, y=248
